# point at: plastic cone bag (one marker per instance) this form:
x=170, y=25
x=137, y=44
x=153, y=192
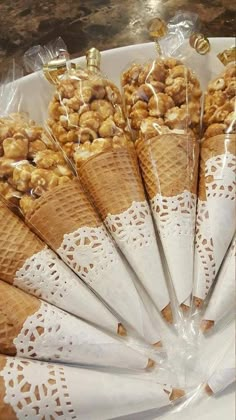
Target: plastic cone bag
x=224, y=373
x=86, y=118
x=222, y=301
x=216, y=224
x=162, y=102
x=34, y=329
x=35, y=177
x=27, y=263
x=30, y=388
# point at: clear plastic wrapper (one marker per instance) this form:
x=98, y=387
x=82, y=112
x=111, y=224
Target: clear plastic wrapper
x=86, y=118
x=162, y=102
x=29, y=388
x=36, y=178
x=35, y=329
x=215, y=225
x=213, y=394
x=222, y=301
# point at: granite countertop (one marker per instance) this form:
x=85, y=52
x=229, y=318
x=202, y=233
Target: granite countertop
x=101, y=23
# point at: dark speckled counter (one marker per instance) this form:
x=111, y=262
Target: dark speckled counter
x=101, y=23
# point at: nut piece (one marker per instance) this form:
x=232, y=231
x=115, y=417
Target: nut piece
x=35, y=147
x=90, y=119
x=43, y=180
x=103, y=107
x=22, y=176
x=108, y=128
x=177, y=118
x=6, y=167
x=15, y=148
x=27, y=204
x=151, y=127
x=159, y=104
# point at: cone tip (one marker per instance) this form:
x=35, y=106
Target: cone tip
x=150, y=364
x=158, y=345
x=184, y=308
x=167, y=314
x=206, y=325
x=208, y=390
x=176, y=394
x=122, y=330
x=197, y=302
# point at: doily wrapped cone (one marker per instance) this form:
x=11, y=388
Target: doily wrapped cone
x=113, y=181
x=66, y=220
x=29, y=388
x=27, y=263
x=222, y=301
x=169, y=165
x=162, y=100
x=34, y=329
x=216, y=223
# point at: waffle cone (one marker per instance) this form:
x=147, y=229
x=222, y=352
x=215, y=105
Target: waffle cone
x=17, y=243
x=211, y=147
x=208, y=390
x=6, y=411
x=113, y=180
x=169, y=164
x=63, y=210
x=15, y=307
x=206, y=325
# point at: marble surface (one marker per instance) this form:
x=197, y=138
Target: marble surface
x=101, y=23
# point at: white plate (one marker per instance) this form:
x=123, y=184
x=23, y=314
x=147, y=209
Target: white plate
x=33, y=97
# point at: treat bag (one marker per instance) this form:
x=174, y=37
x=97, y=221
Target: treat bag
x=224, y=374
x=162, y=102
x=215, y=226
x=86, y=118
x=35, y=329
x=29, y=388
x=27, y=263
x=36, y=177
x=222, y=301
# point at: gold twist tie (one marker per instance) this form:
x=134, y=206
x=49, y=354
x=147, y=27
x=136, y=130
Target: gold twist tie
x=200, y=43
x=157, y=29
x=93, y=57
x=55, y=68
x=227, y=56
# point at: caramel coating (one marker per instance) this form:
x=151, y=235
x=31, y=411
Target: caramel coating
x=86, y=117
x=220, y=104
x=165, y=90
x=29, y=163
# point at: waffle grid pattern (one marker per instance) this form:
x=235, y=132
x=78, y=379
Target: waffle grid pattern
x=169, y=164
x=113, y=181
x=17, y=243
x=19, y=307
x=62, y=210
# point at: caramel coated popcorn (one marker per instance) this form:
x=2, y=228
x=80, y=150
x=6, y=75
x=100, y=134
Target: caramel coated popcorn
x=220, y=104
x=86, y=117
x=161, y=97
x=29, y=163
